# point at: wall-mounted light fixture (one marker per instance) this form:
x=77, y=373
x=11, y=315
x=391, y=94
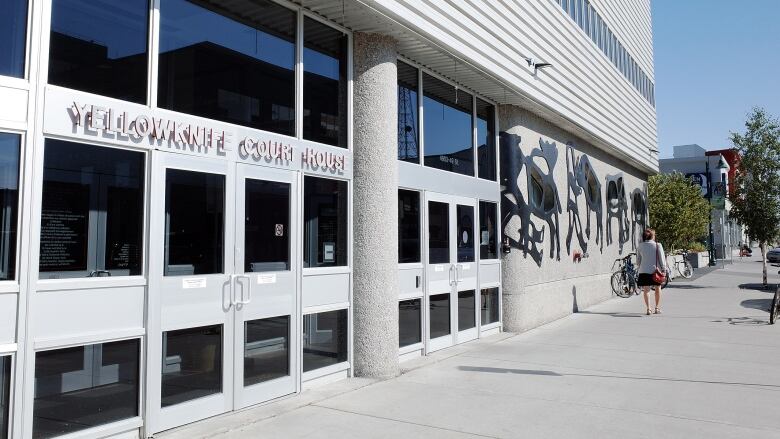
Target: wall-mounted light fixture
x=537, y=65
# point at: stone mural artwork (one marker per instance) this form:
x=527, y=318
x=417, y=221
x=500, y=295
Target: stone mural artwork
x=617, y=209
x=639, y=215
x=582, y=181
x=542, y=203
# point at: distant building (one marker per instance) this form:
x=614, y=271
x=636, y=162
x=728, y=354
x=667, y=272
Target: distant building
x=693, y=161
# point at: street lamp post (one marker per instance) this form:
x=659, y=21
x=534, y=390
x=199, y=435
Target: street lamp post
x=709, y=201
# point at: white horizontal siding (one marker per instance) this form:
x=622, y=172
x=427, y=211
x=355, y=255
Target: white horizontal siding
x=582, y=86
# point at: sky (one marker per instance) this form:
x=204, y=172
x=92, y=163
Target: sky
x=714, y=61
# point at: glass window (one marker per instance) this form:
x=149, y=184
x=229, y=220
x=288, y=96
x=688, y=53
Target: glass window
x=192, y=364
x=92, y=211
x=100, y=46
x=266, y=226
x=486, y=140
x=448, y=127
x=5, y=395
x=439, y=315
x=409, y=322
x=194, y=223
x=467, y=310
x=266, y=349
x=324, y=339
x=9, y=200
x=325, y=216
x=488, y=242
x=465, y=237
x=438, y=233
x=408, y=226
x=324, y=84
x=408, y=121
x=13, y=38
x=86, y=386
x=233, y=62
x=489, y=305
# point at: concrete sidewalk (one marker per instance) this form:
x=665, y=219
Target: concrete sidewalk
x=709, y=366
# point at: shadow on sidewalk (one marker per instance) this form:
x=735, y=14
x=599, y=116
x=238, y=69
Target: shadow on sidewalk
x=502, y=370
x=673, y=286
x=770, y=288
x=760, y=304
x=743, y=321
x=613, y=314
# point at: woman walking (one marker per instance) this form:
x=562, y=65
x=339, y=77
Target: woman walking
x=652, y=261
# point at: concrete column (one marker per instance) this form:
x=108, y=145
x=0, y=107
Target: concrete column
x=375, y=213
x=510, y=119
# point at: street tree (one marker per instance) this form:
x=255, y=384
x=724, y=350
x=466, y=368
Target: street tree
x=754, y=198
x=678, y=212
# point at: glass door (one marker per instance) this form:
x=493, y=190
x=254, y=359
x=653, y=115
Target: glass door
x=266, y=323
x=192, y=290
x=451, y=271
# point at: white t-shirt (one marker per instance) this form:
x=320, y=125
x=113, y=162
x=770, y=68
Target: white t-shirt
x=646, y=257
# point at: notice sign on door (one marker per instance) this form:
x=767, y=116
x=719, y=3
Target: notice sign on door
x=266, y=279
x=193, y=282
x=279, y=230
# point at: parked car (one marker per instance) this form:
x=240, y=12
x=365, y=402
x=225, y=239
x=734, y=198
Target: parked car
x=773, y=255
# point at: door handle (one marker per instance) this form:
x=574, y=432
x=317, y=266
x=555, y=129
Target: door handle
x=235, y=278
x=233, y=284
x=453, y=279
x=458, y=273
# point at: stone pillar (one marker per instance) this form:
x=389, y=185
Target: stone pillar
x=375, y=212
x=510, y=119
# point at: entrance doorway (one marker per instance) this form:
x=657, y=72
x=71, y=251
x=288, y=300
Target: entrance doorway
x=451, y=270
x=224, y=277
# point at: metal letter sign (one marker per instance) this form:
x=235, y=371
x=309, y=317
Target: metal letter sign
x=279, y=230
x=699, y=180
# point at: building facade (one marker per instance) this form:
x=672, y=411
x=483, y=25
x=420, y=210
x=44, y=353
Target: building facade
x=213, y=204
x=714, y=172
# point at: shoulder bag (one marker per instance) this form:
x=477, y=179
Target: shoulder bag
x=659, y=277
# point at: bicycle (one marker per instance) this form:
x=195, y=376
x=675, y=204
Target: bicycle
x=667, y=279
x=684, y=267
x=624, y=280
x=774, y=311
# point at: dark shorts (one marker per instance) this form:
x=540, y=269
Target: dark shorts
x=645, y=280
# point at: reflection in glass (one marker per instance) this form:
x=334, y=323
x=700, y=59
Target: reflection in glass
x=324, y=84
x=194, y=223
x=408, y=126
x=92, y=211
x=9, y=201
x=192, y=364
x=324, y=339
x=488, y=244
x=486, y=140
x=465, y=235
x=229, y=61
x=100, y=46
x=439, y=315
x=409, y=322
x=489, y=305
x=467, y=310
x=448, y=127
x=266, y=349
x=13, y=36
x=266, y=226
x=5, y=395
x=408, y=226
x=438, y=233
x=325, y=217
x=86, y=386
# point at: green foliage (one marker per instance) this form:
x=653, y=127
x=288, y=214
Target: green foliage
x=755, y=202
x=696, y=247
x=678, y=213
x=754, y=199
